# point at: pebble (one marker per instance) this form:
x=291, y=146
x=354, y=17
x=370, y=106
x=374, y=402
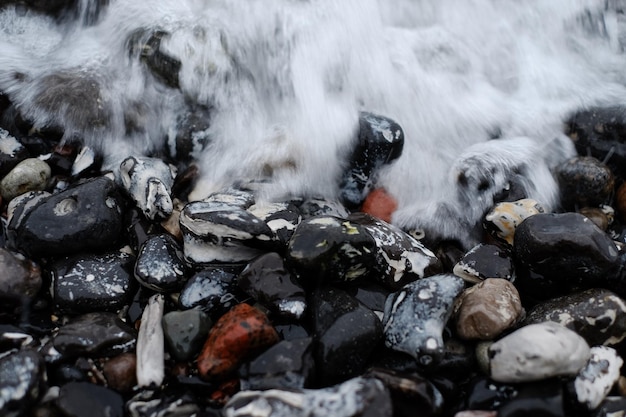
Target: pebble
x=487, y=309
x=150, y=344
x=85, y=217
x=313, y=207
x=545, y=269
x=504, y=218
x=415, y=316
x=83, y=399
x=598, y=215
x=584, y=181
x=95, y=334
x=268, y=281
x=20, y=279
x=596, y=379
x=85, y=283
x=536, y=352
x=121, y=372
x=185, y=332
x=160, y=266
x=596, y=314
x=282, y=218
x=240, y=333
x=487, y=394
x=485, y=261
x=346, y=334
x=22, y=376
x=380, y=141
x=543, y=398
x=380, y=204
x=288, y=364
x=31, y=174
x=358, y=397
x=149, y=182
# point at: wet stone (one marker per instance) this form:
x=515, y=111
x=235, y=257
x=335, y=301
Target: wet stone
x=147, y=45
x=486, y=394
x=159, y=265
x=598, y=315
x=362, y=397
x=85, y=217
x=313, y=207
x=380, y=204
x=214, y=290
x=86, y=283
x=331, y=249
x=399, y=258
x=545, y=268
x=22, y=377
x=415, y=316
x=217, y=232
x=191, y=133
x=487, y=309
x=504, y=218
x=485, y=261
x=12, y=337
x=287, y=364
x=611, y=407
x=544, y=398
x=347, y=335
x=20, y=279
x=282, y=218
x=600, y=216
x=371, y=295
x=380, y=141
x=138, y=228
x=267, y=280
x=149, y=182
x=231, y=197
x=153, y=403
x=596, y=379
x=120, y=372
x=12, y=152
x=537, y=351
x=31, y=174
x=585, y=182
x=240, y=333
x=83, y=399
x=95, y=335
x=185, y=332
x=150, y=344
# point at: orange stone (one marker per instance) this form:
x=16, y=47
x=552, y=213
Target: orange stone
x=380, y=204
x=237, y=335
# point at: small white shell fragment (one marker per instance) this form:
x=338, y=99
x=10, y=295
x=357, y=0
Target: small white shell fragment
x=596, y=379
x=536, y=352
x=150, y=344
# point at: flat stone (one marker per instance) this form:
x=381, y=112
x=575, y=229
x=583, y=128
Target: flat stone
x=185, y=332
x=485, y=261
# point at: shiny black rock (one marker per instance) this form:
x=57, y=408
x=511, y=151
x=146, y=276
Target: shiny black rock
x=22, y=382
x=380, y=141
x=585, y=182
x=485, y=261
x=83, y=399
x=85, y=217
x=160, y=265
x=347, y=334
x=82, y=284
x=267, y=280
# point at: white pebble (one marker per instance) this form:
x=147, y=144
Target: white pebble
x=150, y=345
x=596, y=379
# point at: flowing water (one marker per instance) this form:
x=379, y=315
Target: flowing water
x=286, y=79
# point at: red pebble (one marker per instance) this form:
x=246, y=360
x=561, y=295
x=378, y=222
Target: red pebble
x=236, y=336
x=379, y=203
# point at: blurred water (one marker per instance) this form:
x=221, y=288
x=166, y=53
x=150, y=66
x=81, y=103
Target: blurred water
x=287, y=78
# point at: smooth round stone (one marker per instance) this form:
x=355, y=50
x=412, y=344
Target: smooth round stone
x=538, y=351
x=31, y=174
x=22, y=382
x=214, y=290
x=598, y=315
x=287, y=364
x=120, y=372
x=380, y=141
x=363, y=397
x=95, y=335
x=20, y=279
x=415, y=316
x=504, y=218
x=267, y=280
x=93, y=282
x=558, y=252
x=585, y=182
x=238, y=334
x=185, y=332
x=487, y=309
x=159, y=265
x=83, y=399
x=485, y=261
x=12, y=152
x=596, y=379
x=346, y=332
x=85, y=217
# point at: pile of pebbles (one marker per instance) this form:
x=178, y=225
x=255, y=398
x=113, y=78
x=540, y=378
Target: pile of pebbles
x=114, y=304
